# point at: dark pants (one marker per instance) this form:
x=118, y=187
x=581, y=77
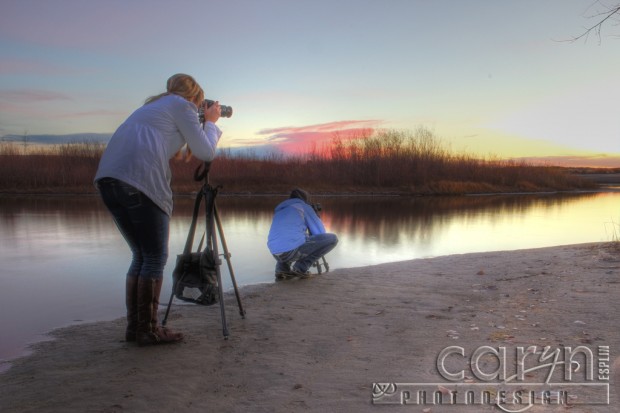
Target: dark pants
x=143, y=224
x=306, y=254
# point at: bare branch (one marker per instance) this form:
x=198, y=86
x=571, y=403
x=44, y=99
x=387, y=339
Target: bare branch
x=613, y=11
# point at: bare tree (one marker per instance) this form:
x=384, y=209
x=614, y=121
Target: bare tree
x=603, y=15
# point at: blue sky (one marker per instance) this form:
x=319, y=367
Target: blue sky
x=489, y=77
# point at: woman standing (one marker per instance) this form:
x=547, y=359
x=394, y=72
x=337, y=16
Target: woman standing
x=134, y=182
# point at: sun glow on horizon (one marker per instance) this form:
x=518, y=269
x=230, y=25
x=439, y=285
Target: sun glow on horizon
x=478, y=143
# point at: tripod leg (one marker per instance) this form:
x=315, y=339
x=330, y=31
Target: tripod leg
x=227, y=256
x=212, y=242
x=221, y=290
x=174, y=288
x=165, y=320
x=319, y=266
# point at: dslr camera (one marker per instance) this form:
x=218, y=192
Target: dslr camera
x=225, y=111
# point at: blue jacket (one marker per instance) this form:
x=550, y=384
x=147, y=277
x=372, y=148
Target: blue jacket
x=292, y=221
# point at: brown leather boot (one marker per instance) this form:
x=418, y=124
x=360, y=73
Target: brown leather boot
x=131, y=302
x=156, y=293
x=165, y=334
x=144, y=332
x=148, y=332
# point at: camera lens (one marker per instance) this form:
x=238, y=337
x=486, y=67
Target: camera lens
x=225, y=111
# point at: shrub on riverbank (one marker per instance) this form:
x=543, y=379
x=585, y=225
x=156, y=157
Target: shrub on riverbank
x=382, y=162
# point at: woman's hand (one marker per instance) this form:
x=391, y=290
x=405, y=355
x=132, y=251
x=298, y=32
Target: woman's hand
x=212, y=113
x=183, y=154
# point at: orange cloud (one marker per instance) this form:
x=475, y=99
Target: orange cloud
x=300, y=139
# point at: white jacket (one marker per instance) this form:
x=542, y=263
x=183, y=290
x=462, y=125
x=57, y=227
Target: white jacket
x=140, y=150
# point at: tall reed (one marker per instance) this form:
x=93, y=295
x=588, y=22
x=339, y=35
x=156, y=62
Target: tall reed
x=49, y=168
x=385, y=161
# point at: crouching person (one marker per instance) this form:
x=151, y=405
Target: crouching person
x=297, y=237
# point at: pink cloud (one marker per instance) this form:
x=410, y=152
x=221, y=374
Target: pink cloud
x=34, y=67
x=330, y=127
x=31, y=95
x=23, y=104
x=299, y=139
x=92, y=113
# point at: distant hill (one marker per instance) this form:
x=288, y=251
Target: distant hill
x=57, y=139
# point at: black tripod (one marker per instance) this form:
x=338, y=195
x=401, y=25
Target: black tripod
x=212, y=216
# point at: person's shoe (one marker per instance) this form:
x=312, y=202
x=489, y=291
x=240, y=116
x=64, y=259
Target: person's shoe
x=283, y=275
x=300, y=274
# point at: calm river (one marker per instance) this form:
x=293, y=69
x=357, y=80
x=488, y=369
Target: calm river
x=63, y=261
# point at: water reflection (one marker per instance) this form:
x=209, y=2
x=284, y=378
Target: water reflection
x=64, y=261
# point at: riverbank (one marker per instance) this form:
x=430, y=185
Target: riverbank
x=319, y=344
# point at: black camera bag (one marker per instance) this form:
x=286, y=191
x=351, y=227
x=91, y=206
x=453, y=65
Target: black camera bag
x=195, y=278
x=195, y=275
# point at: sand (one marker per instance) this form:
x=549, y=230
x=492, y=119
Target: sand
x=319, y=345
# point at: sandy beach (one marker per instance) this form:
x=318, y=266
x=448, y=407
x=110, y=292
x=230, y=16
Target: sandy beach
x=321, y=344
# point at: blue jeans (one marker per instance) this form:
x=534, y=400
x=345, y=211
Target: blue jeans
x=306, y=254
x=143, y=224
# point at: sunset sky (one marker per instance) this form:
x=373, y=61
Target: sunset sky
x=493, y=78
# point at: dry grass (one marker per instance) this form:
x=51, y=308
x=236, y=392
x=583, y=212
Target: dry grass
x=48, y=169
x=381, y=162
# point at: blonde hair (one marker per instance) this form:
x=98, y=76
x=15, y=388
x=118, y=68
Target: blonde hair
x=186, y=87
x=182, y=85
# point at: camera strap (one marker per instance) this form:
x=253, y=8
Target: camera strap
x=200, y=174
